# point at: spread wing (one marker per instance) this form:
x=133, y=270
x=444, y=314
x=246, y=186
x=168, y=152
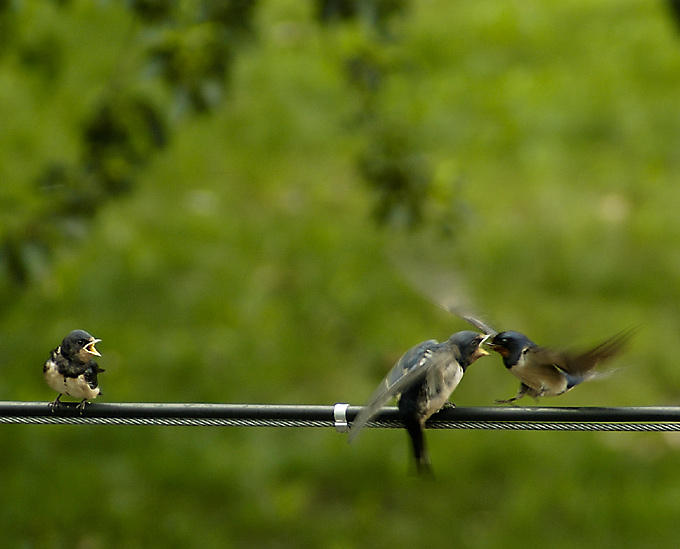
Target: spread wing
x=409, y=369
x=446, y=290
x=582, y=364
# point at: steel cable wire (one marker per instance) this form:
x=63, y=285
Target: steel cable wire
x=340, y=416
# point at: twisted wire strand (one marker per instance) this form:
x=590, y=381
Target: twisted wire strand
x=236, y=422
x=527, y=426
x=171, y=422
x=340, y=416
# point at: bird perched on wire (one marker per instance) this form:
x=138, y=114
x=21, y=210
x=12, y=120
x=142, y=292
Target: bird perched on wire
x=549, y=372
x=72, y=371
x=542, y=372
x=422, y=381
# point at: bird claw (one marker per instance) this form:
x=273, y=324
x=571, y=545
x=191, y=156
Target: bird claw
x=81, y=406
x=448, y=405
x=54, y=405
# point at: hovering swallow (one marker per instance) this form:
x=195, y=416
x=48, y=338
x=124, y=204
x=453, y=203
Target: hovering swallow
x=548, y=372
x=543, y=372
x=71, y=370
x=422, y=381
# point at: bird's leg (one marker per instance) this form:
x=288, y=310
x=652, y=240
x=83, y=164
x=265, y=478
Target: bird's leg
x=522, y=391
x=81, y=406
x=447, y=405
x=53, y=405
x=506, y=401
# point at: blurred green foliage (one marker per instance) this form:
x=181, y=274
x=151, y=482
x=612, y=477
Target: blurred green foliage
x=220, y=185
x=187, y=44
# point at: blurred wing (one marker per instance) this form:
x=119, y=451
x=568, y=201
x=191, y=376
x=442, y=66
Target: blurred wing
x=409, y=368
x=584, y=363
x=548, y=358
x=444, y=290
x=580, y=365
x=481, y=326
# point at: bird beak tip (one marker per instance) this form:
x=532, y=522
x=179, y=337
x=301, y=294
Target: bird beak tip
x=90, y=347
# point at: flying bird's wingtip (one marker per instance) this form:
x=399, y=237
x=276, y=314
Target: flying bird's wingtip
x=481, y=326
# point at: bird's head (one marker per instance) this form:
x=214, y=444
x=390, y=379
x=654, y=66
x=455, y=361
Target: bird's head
x=79, y=345
x=470, y=345
x=510, y=343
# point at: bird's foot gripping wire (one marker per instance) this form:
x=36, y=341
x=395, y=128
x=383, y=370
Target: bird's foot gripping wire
x=54, y=405
x=81, y=406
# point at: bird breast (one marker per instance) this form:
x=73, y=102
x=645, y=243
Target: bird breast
x=440, y=383
x=52, y=376
x=545, y=379
x=77, y=387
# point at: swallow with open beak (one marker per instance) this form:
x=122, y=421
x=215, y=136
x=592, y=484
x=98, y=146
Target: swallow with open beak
x=548, y=372
x=542, y=372
x=71, y=369
x=422, y=381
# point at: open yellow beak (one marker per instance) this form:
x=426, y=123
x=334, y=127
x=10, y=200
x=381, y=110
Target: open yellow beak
x=91, y=349
x=479, y=353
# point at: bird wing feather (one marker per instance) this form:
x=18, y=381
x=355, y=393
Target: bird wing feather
x=549, y=358
x=477, y=323
x=410, y=368
x=443, y=288
x=583, y=363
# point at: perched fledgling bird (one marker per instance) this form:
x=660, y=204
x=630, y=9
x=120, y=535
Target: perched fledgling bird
x=548, y=372
x=422, y=381
x=71, y=370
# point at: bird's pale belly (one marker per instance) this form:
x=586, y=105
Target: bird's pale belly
x=75, y=387
x=54, y=379
x=440, y=389
x=545, y=381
